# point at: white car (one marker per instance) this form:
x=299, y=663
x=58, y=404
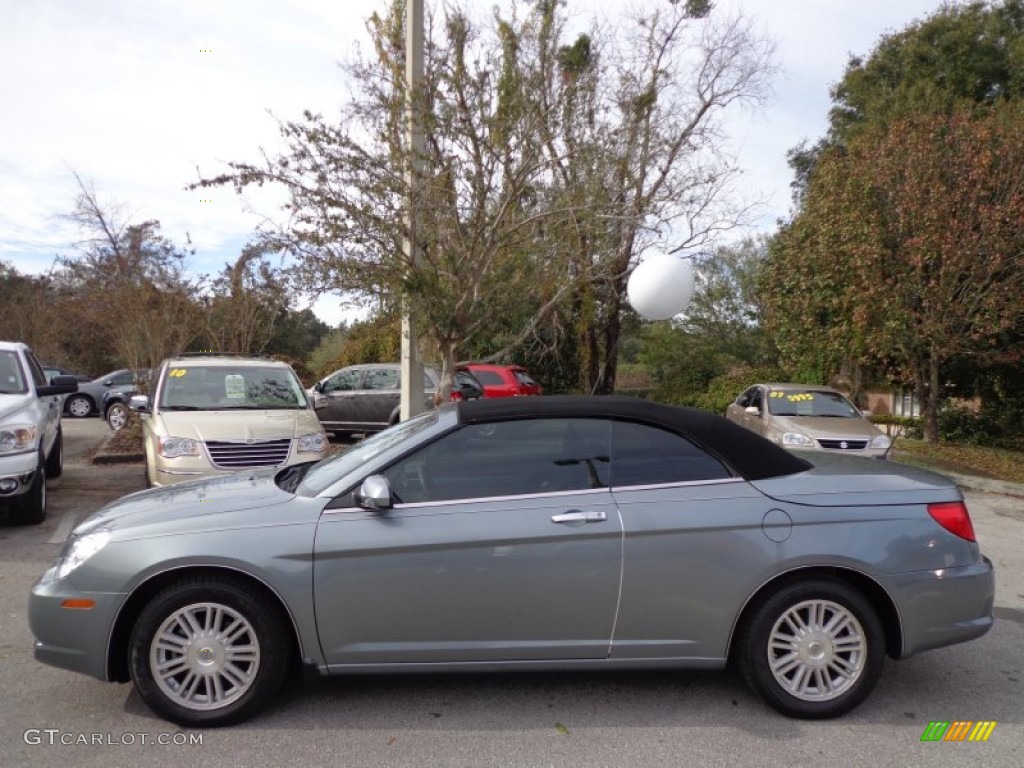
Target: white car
x=215, y=414
x=31, y=445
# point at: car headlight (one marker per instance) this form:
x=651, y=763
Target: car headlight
x=81, y=549
x=795, y=438
x=19, y=438
x=173, y=447
x=313, y=443
x=881, y=441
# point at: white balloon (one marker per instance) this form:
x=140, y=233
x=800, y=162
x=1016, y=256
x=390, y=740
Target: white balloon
x=661, y=286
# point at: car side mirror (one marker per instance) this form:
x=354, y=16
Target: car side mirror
x=318, y=387
x=59, y=385
x=374, y=493
x=139, y=403
x=753, y=410
x=867, y=414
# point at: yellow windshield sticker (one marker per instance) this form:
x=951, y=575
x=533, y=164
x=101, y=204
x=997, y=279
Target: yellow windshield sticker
x=177, y=373
x=801, y=397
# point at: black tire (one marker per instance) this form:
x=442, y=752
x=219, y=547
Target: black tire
x=809, y=673
x=79, y=406
x=55, y=461
x=184, y=693
x=31, y=510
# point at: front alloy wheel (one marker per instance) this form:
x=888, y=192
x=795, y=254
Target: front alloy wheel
x=813, y=650
x=208, y=652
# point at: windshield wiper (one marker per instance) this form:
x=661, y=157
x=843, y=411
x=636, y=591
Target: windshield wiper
x=184, y=408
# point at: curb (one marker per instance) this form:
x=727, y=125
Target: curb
x=104, y=456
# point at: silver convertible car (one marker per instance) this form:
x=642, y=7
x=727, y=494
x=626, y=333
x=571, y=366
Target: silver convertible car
x=521, y=534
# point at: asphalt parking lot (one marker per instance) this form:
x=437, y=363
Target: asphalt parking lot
x=51, y=717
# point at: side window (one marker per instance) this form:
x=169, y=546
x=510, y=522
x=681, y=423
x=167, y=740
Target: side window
x=490, y=378
x=381, y=378
x=646, y=455
x=36, y=370
x=342, y=380
x=757, y=399
x=747, y=398
x=506, y=459
x=123, y=378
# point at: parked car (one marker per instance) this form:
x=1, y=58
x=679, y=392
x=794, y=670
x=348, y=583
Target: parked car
x=52, y=371
x=365, y=398
x=505, y=380
x=521, y=534
x=808, y=418
x=89, y=397
x=211, y=415
x=31, y=442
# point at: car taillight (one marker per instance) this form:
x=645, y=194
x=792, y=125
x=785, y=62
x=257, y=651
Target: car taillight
x=953, y=516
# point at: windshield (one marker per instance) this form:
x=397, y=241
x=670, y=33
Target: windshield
x=811, y=403
x=225, y=388
x=12, y=382
x=322, y=474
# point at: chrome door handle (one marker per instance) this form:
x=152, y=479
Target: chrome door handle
x=576, y=516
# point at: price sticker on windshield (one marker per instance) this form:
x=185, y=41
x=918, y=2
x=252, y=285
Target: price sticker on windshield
x=177, y=373
x=234, y=386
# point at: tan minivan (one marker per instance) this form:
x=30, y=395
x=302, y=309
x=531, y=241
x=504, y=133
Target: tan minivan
x=217, y=414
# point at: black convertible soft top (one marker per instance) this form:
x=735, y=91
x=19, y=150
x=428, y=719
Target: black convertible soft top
x=749, y=454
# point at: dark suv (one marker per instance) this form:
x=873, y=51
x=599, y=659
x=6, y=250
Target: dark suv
x=365, y=398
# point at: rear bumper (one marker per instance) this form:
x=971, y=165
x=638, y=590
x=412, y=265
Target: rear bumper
x=944, y=607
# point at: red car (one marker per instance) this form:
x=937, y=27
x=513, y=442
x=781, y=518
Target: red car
x=504, y=380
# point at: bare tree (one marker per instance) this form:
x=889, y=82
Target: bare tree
x=547, y=172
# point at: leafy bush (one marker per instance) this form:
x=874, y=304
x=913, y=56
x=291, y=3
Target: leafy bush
x=903, y=426
x=722, y=390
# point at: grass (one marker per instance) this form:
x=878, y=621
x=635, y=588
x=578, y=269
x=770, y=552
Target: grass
x=997, y=463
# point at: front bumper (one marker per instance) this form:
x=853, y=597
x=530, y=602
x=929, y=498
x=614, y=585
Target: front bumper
x=75, y=639
x=16, y=473
x=946, y=606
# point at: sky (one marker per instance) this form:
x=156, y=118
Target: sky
x=140, y=97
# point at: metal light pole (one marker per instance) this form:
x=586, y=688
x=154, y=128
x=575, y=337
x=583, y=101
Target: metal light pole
x=412, y=368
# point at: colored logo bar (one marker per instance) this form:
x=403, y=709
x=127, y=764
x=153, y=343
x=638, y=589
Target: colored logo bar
x=958, y=730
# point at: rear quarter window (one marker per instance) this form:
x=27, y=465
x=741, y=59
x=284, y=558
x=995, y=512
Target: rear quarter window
x=647, y=455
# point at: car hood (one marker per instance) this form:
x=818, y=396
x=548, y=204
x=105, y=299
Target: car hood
x=839, y=481
x=824, y=426
x=10, y=404
x=240, y=425
x=197, y=504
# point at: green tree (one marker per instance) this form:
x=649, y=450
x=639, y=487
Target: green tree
x=720, y=331
x=243, y=304
x=909, y=249
x=965, y=55
x=127, y=288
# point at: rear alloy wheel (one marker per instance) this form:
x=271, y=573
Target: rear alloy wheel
x=208, y=652
x=117, y=416
x=79, y=406
x=812, y=650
